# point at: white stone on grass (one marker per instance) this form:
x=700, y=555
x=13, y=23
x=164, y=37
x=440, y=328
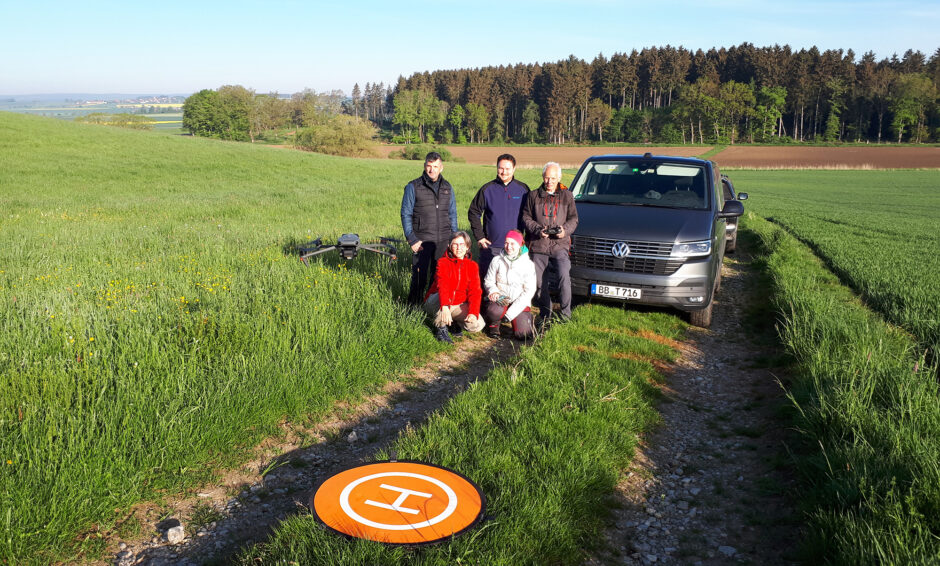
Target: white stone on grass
x=175, y=535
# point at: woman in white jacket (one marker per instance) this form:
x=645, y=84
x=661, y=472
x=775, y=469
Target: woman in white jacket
x=510, y=285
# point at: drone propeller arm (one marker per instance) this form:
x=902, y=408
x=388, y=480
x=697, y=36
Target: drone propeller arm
x=392, y=253
x=310, y=252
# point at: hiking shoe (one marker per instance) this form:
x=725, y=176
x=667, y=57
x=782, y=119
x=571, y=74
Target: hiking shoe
x=443, y=335
x=492, y=331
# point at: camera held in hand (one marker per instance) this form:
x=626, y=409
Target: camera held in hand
x=553, y=231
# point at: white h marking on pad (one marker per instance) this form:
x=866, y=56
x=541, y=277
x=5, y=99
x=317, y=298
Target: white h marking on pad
x=396, y=506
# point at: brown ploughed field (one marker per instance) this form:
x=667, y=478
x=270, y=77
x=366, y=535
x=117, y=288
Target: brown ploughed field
x=742, y=156
x=568, y=157
x=853, y=157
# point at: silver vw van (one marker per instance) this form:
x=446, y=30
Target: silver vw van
x=651, y=230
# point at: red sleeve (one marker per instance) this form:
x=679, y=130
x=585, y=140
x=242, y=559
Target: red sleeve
x=474, y=291
x=444, y=276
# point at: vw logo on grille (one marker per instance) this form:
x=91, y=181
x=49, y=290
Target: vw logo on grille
x=620, y=250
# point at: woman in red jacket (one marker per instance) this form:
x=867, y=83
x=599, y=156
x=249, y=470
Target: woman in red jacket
x=454, y=297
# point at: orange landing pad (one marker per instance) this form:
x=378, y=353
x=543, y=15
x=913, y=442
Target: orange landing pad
x=399, y=503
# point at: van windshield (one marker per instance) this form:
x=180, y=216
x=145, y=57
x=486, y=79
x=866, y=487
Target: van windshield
x=642, y=183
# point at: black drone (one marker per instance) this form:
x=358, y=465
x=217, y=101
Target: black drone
x=349, y=246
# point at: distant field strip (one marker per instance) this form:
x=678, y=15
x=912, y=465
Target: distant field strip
x=878, y=230
x=797, y=157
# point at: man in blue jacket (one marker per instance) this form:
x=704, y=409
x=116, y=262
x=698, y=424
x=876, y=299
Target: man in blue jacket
x=496, y=209
x=428, y=218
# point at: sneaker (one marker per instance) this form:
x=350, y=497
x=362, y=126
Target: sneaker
x=492, y=331
x=443, y=335
x=456, y=331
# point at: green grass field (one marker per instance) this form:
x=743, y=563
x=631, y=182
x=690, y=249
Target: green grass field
x=155, y=323
x=867, y=417
x=866, y=391
x=868, y=405
x=877, y=230
x=155, y=319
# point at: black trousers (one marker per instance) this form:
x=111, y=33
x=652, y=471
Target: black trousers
x=543, y=299
x=423, y=264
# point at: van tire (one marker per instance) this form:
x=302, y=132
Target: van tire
x=702, y=318
x=732, y=243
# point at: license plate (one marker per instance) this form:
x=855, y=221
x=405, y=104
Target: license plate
x=618, y=292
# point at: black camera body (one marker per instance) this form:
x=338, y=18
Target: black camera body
x=348, y=245
x=553, y=231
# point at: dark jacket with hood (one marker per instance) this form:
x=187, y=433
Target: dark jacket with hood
x=545, y=210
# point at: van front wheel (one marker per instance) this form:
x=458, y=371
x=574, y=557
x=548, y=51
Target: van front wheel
x=732, y=243
x=702, y=318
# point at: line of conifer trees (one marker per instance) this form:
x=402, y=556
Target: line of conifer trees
x=669, y=95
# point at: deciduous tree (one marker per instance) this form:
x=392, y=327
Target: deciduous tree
x=477, y=121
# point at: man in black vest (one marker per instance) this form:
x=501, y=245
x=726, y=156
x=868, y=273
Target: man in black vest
x=428, y=218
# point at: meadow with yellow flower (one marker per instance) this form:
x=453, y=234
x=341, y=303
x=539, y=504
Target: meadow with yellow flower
x=155, y=316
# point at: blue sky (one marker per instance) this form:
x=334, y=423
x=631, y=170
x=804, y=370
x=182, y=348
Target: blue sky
x=288, y=45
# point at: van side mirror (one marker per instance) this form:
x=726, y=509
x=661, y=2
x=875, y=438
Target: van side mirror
x=732, y=209
x=742, y=196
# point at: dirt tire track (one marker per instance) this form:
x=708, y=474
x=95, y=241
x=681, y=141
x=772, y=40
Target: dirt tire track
x=711, y=485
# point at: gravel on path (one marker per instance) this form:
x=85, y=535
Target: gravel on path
x=712, y=484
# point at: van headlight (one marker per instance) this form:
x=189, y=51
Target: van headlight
x=692, y=249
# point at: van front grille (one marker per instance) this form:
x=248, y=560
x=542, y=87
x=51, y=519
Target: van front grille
x=648, y=258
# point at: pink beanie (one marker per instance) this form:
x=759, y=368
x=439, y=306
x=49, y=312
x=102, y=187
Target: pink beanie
x=514, y=235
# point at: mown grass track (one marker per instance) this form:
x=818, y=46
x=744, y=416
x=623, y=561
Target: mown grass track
x=544, y=437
